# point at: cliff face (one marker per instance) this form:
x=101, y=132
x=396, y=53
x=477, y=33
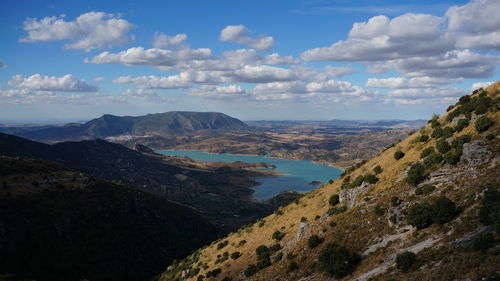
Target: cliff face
x=425, y=208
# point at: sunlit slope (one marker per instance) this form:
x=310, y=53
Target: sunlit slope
x=410, y=213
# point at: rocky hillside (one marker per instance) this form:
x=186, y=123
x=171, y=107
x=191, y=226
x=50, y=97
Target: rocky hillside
x=160, y=124
x=425, y=208
x=57, y=224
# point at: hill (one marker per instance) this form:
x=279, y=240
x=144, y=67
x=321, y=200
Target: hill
x=160, y=124
x=57, y=224
x=221, y=194
x=425, y=208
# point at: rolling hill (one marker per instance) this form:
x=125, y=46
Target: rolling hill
x=425, y=208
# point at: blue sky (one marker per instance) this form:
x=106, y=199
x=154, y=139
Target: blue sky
x=306, y=59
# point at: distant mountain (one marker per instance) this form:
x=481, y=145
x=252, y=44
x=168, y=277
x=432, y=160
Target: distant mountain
x=160, y=124
x=60, y=225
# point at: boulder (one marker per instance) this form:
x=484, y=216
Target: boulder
x=475, y=154
x=348, y=196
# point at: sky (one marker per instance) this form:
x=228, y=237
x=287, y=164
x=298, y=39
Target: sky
x=66, y=61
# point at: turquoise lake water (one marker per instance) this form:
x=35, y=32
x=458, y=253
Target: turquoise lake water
x=299, y=173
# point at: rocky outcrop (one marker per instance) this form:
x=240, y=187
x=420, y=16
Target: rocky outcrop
x=348, y=196
x=475, y=154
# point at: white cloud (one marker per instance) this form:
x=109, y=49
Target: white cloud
x=219, y=92
x=476, y=24
x=335, y=86
x=99, y=79
x=262, y=74
x=161, y=40
x=402, y=83
x=483, y=85
x=442, y=95
x=88, y=31
x=37, y=82
x=181, y=80
x=240, y=34
x=381, y=39
x=338, y=71
x=276, y=59
x=139, y=93
x=378, y=68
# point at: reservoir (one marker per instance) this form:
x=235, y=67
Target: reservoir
x=298, y=173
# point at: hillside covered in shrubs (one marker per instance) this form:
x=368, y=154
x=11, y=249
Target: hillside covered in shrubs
x=425, y=208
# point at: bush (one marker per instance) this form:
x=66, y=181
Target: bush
x=426, y=152
x=482, y=124
x=278, y=257
x=435, y=123
x=222, y=244
x=419, y=215
x=453, y=114
x=293, y=266
x=447, y=132
x=461, y=124
x=437, y=133
x=423, y=138
x=489, y=213
x=415, y=174
x=425, y=190
x=334, y=200
x=395, y=201
x=235, y=255
x=378, y=210
x=434, y=158
x=377, y=170
x=250, y=270
x=458, y=143
x=370, y=178
x=443, y=146
x=336, y=210
x=263, y=257
x=452, y=158
x=398, y=155
x=443, y=210
x=337, y=261
x=314, y=241
x=213, y=273
x=483, y=242
x=274, y=248
x=405, y=260
x=278, y=235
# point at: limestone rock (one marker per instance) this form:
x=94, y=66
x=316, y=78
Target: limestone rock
x=475, y=154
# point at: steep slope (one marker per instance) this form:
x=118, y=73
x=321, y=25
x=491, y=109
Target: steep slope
x=56, y=224
x=222, y=195
x=160, y=124
x=426, y=208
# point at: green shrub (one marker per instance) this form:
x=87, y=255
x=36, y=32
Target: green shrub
x=235, y=255
x=426, y=152
x=423, y=138
x=415, y=174
x=337, y=261
x=437, y=133
x=405, y=260
x=336, y=210
x=443, y=210
x=370, y=178
x=443, y=146
x=453, y=114
x=303, y=219
x=395, y=201
x=213, y=273
x=251, y=270
x=222, y=244
x=262, y=223
x=377, y=170
x=452, y=158
x=314, y=241
x=419, y=215
x=278, y=235
x=275, y=247
x=398, y=155
x=459, y=142
x=447, y=132
x=293, y=266
x=263, y=257
x=435, y=123
x=482, y=124
x=461, y=124
x=334, y=200
x=426, y=189
x=433, y=158
x=241, y=243
x=278, y=257
x=489, y=213
x=483, y=242
x=378, y=210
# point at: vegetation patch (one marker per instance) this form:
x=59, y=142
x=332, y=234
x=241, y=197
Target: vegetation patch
x=337, y=261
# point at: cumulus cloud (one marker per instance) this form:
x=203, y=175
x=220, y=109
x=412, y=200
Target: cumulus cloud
x=401, y=83
x=240, y=34
x=139, y=93
x=338, y=71
x=483, y=85
x=442, y=95
x=381, y=38
x=378, y=68
x=335, y=86
x=88, y=31
x=37, y=82
x=476, y=24
x=219, y=92
x=181, y=80
x=161, y=40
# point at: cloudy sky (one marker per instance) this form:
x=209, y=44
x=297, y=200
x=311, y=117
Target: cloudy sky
x=301, y=59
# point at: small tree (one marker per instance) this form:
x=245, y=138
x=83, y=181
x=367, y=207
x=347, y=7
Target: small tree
x=334, y=200
x=314, y=241
x=337, y=261
x=377, y=170
x=443, y=210
x=405, y=260
x=443, y=146
x=426, y=152
x=423, y=138
x=419, y=215
x=293, y=266
x=461, y=124
x=437, y=133
x=482, y=124
x=398, y=155
x=250, y=270
x=415, y=174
